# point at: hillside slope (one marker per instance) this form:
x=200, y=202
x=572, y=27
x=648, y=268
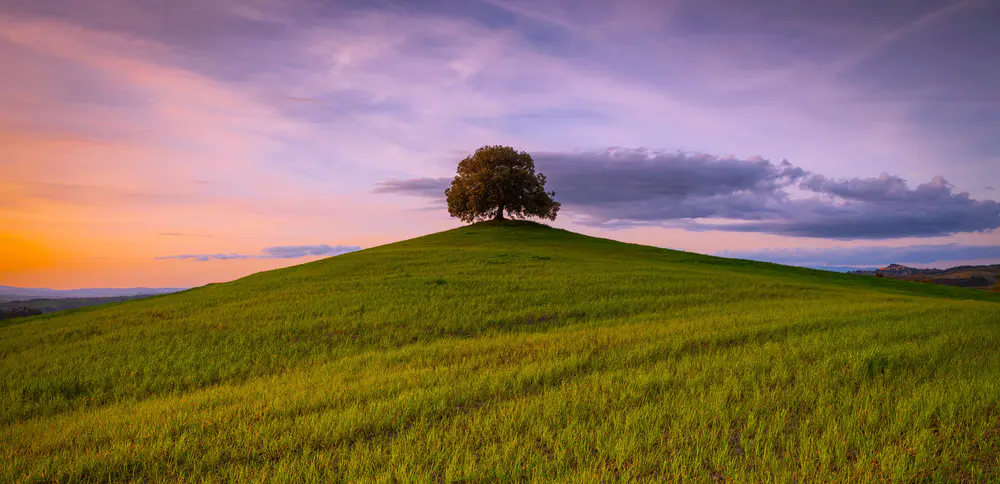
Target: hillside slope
x=511, y=351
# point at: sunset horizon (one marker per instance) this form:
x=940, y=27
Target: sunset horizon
x=136, y=134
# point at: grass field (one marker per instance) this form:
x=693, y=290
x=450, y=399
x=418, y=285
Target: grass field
x=511, y=352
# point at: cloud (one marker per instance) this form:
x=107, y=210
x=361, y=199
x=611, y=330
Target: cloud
x=879, y=208
x=624, y=187
x=870, y=255
x=277, y=252
x=620, y=187
x=425, y=187
x=297, y=251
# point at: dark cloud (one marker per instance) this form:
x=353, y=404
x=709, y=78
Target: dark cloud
x=619, y=187
x=277, y=252
x=872, y=255
x=878, y=208
x=882, y=189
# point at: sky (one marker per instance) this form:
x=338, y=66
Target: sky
x=173, y=144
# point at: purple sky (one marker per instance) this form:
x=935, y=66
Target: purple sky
x=160, y=135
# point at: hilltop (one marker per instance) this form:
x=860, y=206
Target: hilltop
x=510, y=351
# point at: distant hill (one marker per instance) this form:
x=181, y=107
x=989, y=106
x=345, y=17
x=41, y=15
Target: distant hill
x=832, y=268
x=11, y=293
x=32, y=307
x=511, y=352
x=893, y=270
x=976, y=277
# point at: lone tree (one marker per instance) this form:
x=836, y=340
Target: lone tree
x=499, y=179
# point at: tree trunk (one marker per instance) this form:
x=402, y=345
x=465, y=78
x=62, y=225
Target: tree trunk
x=499, y=215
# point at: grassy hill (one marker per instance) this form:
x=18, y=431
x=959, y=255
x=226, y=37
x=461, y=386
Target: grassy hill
x=511, y=351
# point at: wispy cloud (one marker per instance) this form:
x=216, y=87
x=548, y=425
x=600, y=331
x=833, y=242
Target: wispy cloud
x=277, y=252
x=426, y=187
x=900, y=33
x=297, y=251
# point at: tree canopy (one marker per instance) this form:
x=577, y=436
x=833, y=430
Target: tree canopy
x=496, y=180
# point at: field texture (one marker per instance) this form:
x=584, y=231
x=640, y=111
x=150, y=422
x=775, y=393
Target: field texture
x=511, y=351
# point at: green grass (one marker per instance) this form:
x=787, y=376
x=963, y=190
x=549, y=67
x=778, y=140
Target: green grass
x=511, y=352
